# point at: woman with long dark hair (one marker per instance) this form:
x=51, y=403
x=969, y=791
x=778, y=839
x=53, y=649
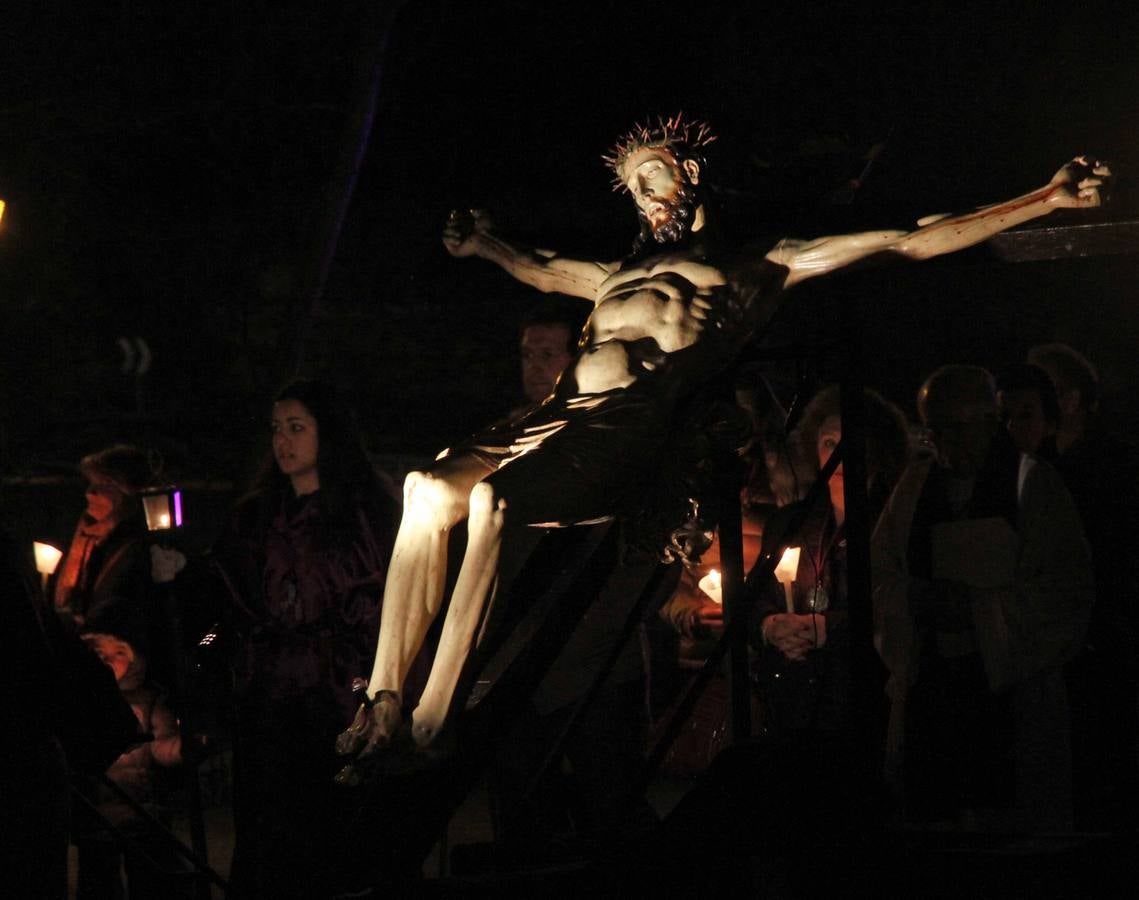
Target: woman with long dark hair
x=304, y=558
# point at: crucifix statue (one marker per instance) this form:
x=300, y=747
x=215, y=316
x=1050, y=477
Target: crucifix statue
x=664, y=320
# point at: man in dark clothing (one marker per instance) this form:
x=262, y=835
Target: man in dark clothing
x=1102, y=473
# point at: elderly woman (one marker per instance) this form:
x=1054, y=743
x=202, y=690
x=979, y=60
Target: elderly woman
x=105, y=582
x=802, y=666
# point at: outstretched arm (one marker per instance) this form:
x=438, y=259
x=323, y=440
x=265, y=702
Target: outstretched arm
x=473, y=235
x=1077, y=185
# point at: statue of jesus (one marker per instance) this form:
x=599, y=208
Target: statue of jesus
x=664, y=320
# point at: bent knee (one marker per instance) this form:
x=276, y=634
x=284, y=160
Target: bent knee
x=487, y=504
x=428, y=499
x=413, y=485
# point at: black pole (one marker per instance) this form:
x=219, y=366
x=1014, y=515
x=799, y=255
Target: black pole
x=187, y=853
x=857, y=527
x=651, y=594
x=732, y=584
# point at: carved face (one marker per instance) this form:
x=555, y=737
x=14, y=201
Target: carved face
x=545, y=353
x=662, y=188
x=295, y=441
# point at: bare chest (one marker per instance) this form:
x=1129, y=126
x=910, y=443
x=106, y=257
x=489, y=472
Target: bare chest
x=667, y=299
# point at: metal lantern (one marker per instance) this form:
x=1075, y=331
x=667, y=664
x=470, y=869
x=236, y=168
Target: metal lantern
x=163, y=507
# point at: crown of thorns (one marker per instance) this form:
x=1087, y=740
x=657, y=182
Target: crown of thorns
x=670, y=134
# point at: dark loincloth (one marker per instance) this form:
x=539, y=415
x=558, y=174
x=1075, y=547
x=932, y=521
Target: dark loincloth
x=576, y=459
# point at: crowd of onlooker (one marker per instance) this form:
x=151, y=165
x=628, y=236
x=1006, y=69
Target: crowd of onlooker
x=1004, y=620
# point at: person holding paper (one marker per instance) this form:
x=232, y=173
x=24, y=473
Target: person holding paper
x=982, y=591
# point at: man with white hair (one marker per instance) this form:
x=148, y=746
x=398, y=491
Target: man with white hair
x=982, y=592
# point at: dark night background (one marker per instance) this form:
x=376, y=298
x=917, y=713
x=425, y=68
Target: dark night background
x=172, y=171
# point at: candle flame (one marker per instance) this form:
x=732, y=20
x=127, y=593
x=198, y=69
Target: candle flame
x=788, y=566
x=47, y=557
x=711, y=585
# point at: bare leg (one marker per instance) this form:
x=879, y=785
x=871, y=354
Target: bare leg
x=414, y=591
x=468, y=600
x=433, y=503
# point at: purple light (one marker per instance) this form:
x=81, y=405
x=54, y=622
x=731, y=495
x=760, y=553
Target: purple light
x=177, y=509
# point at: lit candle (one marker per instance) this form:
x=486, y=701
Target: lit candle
x=47, y=558
x=163, y=507
x=710, y=585
x=785, y=574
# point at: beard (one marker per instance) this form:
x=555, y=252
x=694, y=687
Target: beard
x=680, y=209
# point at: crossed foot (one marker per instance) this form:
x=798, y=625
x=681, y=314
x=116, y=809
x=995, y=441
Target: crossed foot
x=378, y=732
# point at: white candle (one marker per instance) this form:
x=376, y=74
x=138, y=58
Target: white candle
x=785, y=574
x=47, y=557
x=711, y=585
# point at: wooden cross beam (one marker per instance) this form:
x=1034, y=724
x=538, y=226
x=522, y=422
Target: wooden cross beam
x=1067, y=241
